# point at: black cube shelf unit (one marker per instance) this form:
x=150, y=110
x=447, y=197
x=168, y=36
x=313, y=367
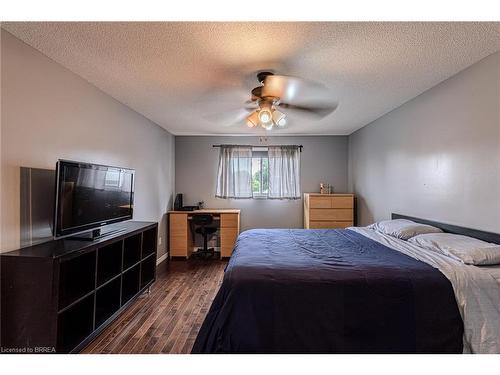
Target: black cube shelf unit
x=59, y=295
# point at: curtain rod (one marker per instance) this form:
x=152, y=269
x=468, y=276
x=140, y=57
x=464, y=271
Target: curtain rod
x=299, y=146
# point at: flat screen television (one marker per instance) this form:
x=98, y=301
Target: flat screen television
x=89, y=196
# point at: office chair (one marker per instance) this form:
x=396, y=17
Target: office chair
x=202, y=220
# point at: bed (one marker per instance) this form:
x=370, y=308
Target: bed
x=351, y=291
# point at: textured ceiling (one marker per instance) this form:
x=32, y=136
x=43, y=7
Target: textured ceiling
x=166, y=70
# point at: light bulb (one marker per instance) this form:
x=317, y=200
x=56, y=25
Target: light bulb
x=268, y=126
x=279, y=118
x=253, y=120
x=265, y=116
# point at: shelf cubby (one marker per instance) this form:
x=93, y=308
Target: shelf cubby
x=76, y=278
x=148, y=242
x=107, y=301
x=131, y=250
x=75, y=324
x=109, y=262
x=130, y=283
x=148, y=266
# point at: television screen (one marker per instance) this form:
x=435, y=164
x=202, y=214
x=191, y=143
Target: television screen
x=90, y=195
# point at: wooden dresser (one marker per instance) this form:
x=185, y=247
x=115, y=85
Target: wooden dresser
x=328, y=210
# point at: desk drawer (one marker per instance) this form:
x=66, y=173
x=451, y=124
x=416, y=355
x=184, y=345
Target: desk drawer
x=334, y=214
x=227, y=240
x=179, y=235
x=178, y=225
x=229, y=220
x=178, y=246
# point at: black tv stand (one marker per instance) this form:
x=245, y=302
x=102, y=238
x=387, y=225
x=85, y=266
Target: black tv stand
x=96, y=234
x=59, y=295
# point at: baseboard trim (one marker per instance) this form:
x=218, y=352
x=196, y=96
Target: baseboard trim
x=161, y=259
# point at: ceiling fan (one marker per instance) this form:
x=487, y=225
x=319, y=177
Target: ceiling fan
x=285, y=92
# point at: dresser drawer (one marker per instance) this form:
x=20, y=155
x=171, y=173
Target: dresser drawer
x=334, y=214
x=229, y=220
x=330, y=224
x=342, y=202
x=331, y=202
x=320, y=202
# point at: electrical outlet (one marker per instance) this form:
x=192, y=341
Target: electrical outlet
x=159, y=240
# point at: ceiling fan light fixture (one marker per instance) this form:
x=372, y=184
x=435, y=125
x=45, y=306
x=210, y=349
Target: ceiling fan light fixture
x=277, y=92
x=268, y=126
x=253, y=120
x=265, y=116
x=279, y=118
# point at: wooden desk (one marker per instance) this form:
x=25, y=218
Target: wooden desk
x=180, y=237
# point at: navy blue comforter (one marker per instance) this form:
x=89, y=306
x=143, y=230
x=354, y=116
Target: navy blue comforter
x=328, y=291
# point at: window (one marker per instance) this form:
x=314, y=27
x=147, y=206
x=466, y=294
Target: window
x=234, y=174
x=260, y=175
x=258, y=172
x=284, y=172
x=112, y=178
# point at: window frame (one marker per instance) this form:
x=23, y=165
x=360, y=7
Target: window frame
x=261, y=157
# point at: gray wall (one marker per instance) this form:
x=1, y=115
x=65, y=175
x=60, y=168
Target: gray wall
x=49, y=112
x=437, y=156
x=324, y=159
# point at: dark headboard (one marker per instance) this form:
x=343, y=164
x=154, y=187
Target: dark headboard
x=448, y=228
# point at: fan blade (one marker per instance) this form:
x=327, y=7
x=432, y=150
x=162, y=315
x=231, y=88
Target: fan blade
x=221, y=100
x=225, y=107
x=318, y=112
x=229, y=118
x=297, y=91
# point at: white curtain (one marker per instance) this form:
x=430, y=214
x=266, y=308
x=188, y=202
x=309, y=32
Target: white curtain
x=234, y=175
x=284, y=172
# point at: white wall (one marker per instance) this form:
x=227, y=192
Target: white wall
x=48, y=112
x=437, y=156
x=324, y=159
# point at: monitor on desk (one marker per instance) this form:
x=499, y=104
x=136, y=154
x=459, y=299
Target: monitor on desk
x=179, y=206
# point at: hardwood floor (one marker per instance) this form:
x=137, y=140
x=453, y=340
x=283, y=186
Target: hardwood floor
x=168, y=319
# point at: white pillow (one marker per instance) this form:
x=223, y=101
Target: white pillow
x=466, y=249
x=402, y=228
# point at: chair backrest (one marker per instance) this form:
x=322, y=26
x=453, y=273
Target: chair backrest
x=202, y=219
